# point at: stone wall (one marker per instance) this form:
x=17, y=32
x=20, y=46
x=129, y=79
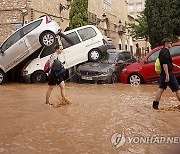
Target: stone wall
x=11, y=15
x=11, y=4
x=52, y=8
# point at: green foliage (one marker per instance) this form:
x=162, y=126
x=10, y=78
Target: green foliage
x=139, y=28
x=175, y=16
x=158, y=13
x=78, y=14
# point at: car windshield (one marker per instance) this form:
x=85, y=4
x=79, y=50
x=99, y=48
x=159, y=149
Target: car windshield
x=111, y=58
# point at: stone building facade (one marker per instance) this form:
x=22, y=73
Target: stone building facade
x=11, y=16
x=110, y=16
x=135, y=8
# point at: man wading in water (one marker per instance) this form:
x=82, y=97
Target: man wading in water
x=167, y=78
x=54, y=79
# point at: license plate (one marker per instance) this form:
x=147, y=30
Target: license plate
x=86, y=78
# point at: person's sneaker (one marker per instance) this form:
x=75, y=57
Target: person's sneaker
x=155, y=105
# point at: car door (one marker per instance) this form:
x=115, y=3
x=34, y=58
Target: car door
x=45, y=55
x=14, y=50
x=120, y=64
x=148, y=67
x=128, y=57
x=89, y=40
x=72, y=53
x=175, y=53
x=31, y=36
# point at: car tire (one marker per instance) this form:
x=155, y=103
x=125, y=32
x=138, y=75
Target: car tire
x=114, y=78
x=94, y=55
x=47, y=39
x=2, y=76
x=38, y=77
x=135, y=79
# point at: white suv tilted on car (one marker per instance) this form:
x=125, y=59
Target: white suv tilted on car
x=26, y=40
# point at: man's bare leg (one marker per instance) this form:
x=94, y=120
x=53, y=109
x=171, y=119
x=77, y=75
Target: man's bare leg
x=178, y=94
x=48, y=93
x=62, y=89
x=159, y=94
x=157, y=98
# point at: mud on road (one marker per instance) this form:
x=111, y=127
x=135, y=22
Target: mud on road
x=87, y=125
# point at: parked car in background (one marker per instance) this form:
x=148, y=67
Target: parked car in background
x=144, y=72
x=109, y=42
x=106, y=70
x=79, y=45
x=26, y=40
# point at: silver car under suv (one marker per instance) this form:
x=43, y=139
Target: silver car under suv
x=106, y=70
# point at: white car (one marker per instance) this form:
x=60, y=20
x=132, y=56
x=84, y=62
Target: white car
x=88, y=42
x=79, y=45
x=33, y=70
x=25, y=41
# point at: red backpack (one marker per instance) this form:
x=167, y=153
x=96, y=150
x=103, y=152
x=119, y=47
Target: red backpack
x=47, y=67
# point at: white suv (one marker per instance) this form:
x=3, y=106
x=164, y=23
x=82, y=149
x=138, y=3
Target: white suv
x=88, y=45
x=26, y=40
x=79, y=45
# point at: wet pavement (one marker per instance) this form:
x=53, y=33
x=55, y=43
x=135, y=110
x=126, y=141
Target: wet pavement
x=87, y=125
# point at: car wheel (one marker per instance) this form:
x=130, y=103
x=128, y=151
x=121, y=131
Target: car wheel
x=47, y=39
x=2, y=77
x=114, y=78
x=38, y=77
x=94, y=55
x=135, y=79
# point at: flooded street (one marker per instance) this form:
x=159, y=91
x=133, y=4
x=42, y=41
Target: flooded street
x=87, y=125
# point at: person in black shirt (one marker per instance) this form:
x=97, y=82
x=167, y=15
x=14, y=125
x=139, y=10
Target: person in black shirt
x=167, y=78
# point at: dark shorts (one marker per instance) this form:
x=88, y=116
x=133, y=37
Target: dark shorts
x=53, y=80
x=173, y=84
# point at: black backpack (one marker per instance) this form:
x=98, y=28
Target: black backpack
x=57, y=66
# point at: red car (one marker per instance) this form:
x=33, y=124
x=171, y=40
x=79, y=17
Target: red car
x=144, y=72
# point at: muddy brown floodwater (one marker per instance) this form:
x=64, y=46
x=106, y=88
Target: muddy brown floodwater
x=94, y=122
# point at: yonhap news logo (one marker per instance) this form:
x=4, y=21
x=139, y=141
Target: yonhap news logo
x=119, y=139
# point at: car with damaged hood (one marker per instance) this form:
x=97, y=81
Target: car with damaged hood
x=25, y=41
x=106, y=70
